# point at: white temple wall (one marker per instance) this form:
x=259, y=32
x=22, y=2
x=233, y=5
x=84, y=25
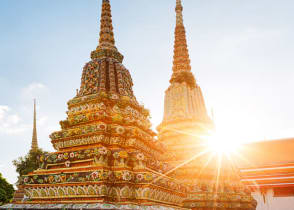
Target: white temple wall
x=269, y=202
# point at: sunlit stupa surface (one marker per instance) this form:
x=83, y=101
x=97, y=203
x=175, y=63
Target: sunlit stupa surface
x=107, y=156
x=189, y=135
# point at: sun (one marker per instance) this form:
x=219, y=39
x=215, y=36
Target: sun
x=222, y=144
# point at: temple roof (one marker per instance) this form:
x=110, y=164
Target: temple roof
x=267, y=153
x=268, y=164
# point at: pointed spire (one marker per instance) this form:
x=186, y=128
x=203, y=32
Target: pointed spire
x=181, y=54
x=179, y=11
x=181, y=62
x=183, y=99
x=34, y=146
x=106, y=29
x=106, y=47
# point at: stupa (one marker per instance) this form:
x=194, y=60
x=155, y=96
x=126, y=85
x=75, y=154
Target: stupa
x=106, y=153
x=107, y=156
x=212, y=180
x=34, y=145
x=19, y=193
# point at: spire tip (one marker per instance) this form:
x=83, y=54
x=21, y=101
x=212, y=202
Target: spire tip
x=106, y=47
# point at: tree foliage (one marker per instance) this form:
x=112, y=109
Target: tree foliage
x=6, y=191
x=29, y=163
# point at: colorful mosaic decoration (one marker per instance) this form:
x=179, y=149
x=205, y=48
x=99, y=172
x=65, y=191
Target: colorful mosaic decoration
x=85, y=206
x=106, y=150
x=108, y=157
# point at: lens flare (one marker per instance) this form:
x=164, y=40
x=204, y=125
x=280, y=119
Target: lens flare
x=222, y=145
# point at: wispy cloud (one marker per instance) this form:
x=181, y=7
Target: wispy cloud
x=42, y=120
x=33, y=90
x=10, y=123
x=15, y=121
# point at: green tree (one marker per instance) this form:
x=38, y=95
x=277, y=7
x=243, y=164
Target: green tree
x=29, y=163
x=6, y=191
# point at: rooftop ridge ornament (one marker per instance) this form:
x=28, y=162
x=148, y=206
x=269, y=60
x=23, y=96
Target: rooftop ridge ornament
x=106, y=47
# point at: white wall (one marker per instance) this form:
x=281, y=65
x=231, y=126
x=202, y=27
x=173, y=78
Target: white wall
x=273, y=203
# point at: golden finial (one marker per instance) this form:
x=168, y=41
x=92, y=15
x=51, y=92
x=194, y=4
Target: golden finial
x=179, y=10
x=181, y=62
x=106, y=29
x=106, y=47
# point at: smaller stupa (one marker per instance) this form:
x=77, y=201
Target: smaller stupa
x=19, y=193
x=34, y=146
x=213, y=182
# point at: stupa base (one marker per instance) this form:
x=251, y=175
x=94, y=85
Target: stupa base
x=84, y=206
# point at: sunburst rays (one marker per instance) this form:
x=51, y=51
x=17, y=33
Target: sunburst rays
x=223, y=157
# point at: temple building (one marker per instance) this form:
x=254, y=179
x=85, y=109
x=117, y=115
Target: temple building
x=107, y=156
x=268, y=169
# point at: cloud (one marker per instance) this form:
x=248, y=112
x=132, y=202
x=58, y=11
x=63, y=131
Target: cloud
x=19, y=120
x=3, y=110
x=42, y=120
x=33, y=90
x=10, y=123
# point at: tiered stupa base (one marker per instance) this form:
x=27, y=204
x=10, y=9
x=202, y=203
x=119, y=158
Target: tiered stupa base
x=85, y=206
x=211, y=180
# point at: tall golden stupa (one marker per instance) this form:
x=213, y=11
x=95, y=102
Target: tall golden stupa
x=211, y=179
x=107, y=156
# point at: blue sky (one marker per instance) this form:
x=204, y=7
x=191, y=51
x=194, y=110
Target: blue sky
x=241, y=53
